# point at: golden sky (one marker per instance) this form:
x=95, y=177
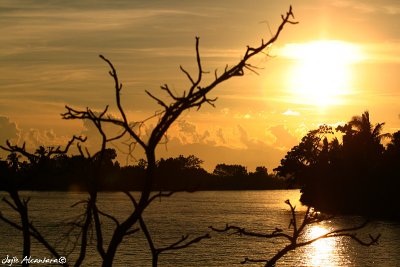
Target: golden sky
x=341, y=59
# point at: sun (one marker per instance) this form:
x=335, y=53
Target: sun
x=321, y=73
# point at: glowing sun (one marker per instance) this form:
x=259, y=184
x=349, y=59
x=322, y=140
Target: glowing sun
x=321, y=74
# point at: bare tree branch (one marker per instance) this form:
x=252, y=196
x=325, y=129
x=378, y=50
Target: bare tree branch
x=242, y=231
x=194, y=97
x=49, y=152
x=160, y=195
x=310, y=218
x=109, y=217
x=178, y=244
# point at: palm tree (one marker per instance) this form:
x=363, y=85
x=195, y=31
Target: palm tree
x=362, y=149
x=364, y=128
x=362, y=137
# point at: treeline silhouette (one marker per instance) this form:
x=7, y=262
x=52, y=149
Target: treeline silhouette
x=348, y=169
x=64, y=172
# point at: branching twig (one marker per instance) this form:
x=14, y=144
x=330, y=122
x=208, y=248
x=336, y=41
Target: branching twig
x=180, y=243
x=243, y=231
x=109, y=217
x=49, y=152
x=310, y=218
x=194, y=97
x=160, y=195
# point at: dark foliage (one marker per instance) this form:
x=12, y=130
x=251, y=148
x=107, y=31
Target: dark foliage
x=356, y=174
x=70, y=173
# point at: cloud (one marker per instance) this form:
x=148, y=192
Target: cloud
x=34, y=138
x=220, y=145
x=187, y=127
x=213, y=145
x=31, y=137
x=283, y=138
x=213, y=154
x=34, y=28
x=188, y=133
x=251, y=143
x=392, y=10
x=290, y=112
x=357, y=6
x=369, y=7
x=220, y=136
x=387, y=52
x=8, y=130
x=243, y=135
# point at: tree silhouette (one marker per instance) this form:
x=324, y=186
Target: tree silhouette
x=364, y=127
x=15, y=179
x=226, y=170
x=353, y=175
x=302, y=159
x=195, y=96
x=361, y=137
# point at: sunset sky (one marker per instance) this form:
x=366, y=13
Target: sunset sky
x=341, y=59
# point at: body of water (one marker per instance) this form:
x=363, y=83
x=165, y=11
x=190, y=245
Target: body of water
x=192, y=213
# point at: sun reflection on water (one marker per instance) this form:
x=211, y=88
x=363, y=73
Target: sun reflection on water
x=321, y=252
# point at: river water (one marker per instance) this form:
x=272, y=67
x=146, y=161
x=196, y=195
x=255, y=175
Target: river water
x=192, y=213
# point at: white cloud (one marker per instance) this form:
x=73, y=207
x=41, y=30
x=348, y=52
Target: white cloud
x=257, y=155
x=33, y=138
x=290, y=112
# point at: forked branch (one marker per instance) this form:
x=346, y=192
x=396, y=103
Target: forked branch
x=45, y=152
x=194, y=97
x=298, y=234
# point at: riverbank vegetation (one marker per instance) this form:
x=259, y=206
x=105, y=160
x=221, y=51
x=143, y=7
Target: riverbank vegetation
x=70, y=173
x=53, y=168
x=91, y=166
x=351, y=169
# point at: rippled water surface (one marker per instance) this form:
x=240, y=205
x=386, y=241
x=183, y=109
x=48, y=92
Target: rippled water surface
x=192, y=213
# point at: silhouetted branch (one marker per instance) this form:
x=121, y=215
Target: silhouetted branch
x=311, y=217
x=153, y=249
x=34, y=233
x=9, y=222
x=194, y=97
x=182, y=243
x=49, y=152
x=159, y=101
x=131, y=197
x=10, y=204
x=109, y=217
x=178, y=244
x=82, y=222
x=344, y=232
x=17, y=149
x=187, y=75
x=41, y=239
x=242, y=231
x=249, y=260
x=133, y=231
x=160, y=195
